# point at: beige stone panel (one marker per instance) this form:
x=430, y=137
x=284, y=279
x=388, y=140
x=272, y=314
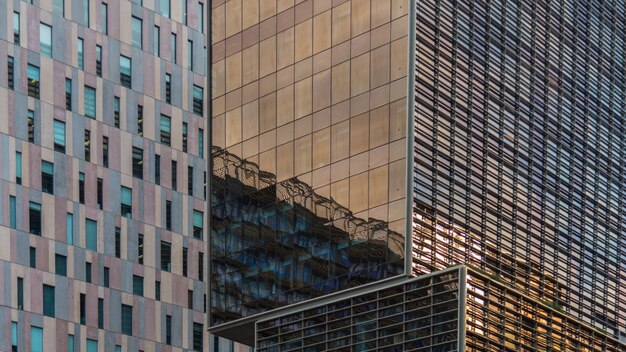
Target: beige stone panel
x=341, y=23
x=322, y=61
x=379, y=126
x=320, y=177
x=397, y=209
x=399, y=56
x=303, y=126
x=233, y=127
x=267, y=54
x=4, y=111
x=267, y=141
x=219, y=131
x=303, y=155
x=399, y=28
x=285, y=48
x=285, y=77
x=149, y=125
x=359, y=192
x=125, y=8
x=219, y=106
x=321, y=90
x=399, y=8
x=379, y=96
x=233, y=17
x=177, y=130
x=360, y=74
x=282, y=5
x=340, y=141
x=250, y=66
x=381, y=11
x=397, y=119
x=250, y=119
x=233, y=72
x=250, y=13
x=218, y=23
x=219, y=78
x=250, y=148
x=284, y=161
x=46, y=83
x=303, y=40
x=379, y=68
x=378, y=181
x=359, y=163
x=267, y=161
x=267, y=112
x=341, y=82
x=267, y=9
x=5, y=250
x=397, y=179
x=126, y=164
x=321, y=148
x=360, y=16
x=359, y=134
x=284, y=105
x=303, y=69
x=304, y=97
x=397, y=149
x=398, y=89
x=284, y=134
x=322, y=31
x=340, y=192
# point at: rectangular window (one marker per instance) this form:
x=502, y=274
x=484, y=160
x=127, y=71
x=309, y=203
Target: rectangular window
x=190, y=180
x=70, y=343
x=92, y=345
x=127, y=320
x=14, y=336
x=16, y=28
x=60, y=264
x=86, y=12
x=185, y=253
x=118, y=242
x=20, y=293
x=138, y=162
x=184, y=12
x=157, y=169
x=204, y=185
x=33, y=81
x=34, y=215
x=106, y=278
x=118, y=348
x=201, y=15
x=165, y=8
x=100, y=313
x=48, y=301
x=18, y=168
x=88, y=272
x=12, y=212
x=31, y=126
x=156, y=46
x=91, y=234
x=168, y=215
x=99, y=193
x=33, y=257
x=166, y=129
x=168, y=329
x=80, y=46
x=189, y=51
x=174, y=174
x=10, y=72
x=126, y=71
x=36, y=339
x=83, y=317
x=198, y=333
x=140, y=120
x=105, y=151
x=90, y=102
x=104, y=18
x=201, y=266
x=81, y=188
x=58, y=7
x=166, y=256
x=127, y=202
x=116, y=112
x=70, y=228
x=68, y=94
x=45, y=39
x=157, y=290
x=137, y=285
x=59, y=136
x=201, y=143
x=47, y=177
x=198, y=220
x=198, y=100
x=136, y=29
x=190, y=299
x=168, y=88
x=140, y=249
x=87, y=145
x=98, y=60
x=173, y=46
x=185, y=137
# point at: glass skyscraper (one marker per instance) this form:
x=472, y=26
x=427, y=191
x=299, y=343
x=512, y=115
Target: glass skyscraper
x=358, y=146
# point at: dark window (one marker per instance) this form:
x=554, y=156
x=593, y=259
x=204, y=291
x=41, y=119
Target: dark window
x=189, y=47
x=60, y=264
x=106, y=276
x=168, y=88
x=166, y=256
x=33, y=81
x=104, y=18
x=198, y=100
x=18, y=168
x=12, y=212
x=118, y=242
x=83, y=317
x=140, y=249
x=168, y=329
x=90, y=102
x=198, y=333
x=81, y=188
x=33, y=257
x=198, y=221
x=16, y=28
x=59, y=135
x=204, y=185
x=47, y=177
x=174, y=174
x=157, y=169
x=87, y=145
x=185, y=137
x=68, y=94
x=137, y=285
x=140, y=120
x=156, y=41
x=48, y=301
x=190, y=299
x=157, y=290
x=136, y=31
x=31, y=126
x=138, y=162
x=116, y=112
x=185, y=250
x=166, y=129
x=173, y=46
x=126, y=71
x=127, y=320
x=99, y=60
x=190, y=180
x=88, y=272
x=127, y=202
x=105, y=151
x=91, y=234
x=201, y=266
x=100, y=313
x=34, y=216
x=99, y=190
x=20, y=293
x=10, y=72
x=168, y=215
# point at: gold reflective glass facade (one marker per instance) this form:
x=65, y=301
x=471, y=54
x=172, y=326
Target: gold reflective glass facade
x=309, y=127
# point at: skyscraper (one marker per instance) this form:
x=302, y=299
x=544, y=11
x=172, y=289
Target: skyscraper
x=418, y=175
x=102, y=175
